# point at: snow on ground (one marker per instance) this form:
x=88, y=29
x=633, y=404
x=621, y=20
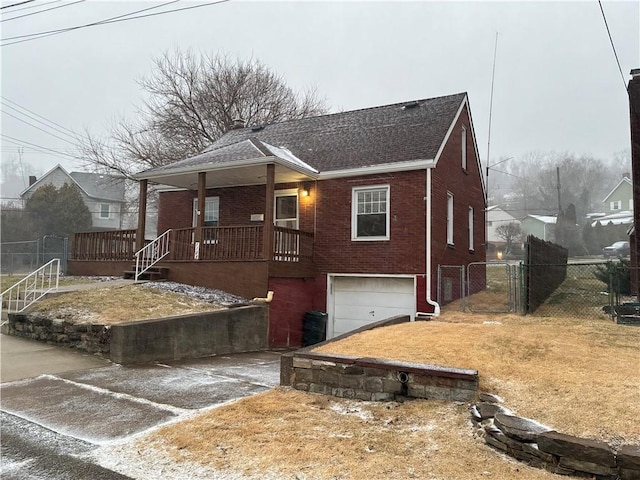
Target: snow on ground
x=210, y=295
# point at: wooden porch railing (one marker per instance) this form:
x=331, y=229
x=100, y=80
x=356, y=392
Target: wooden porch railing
x=239, y=243
x=118, y=245
x=291, y=245
x=218, y=243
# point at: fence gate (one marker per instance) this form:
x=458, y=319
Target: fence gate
x=492, y=287
x=451, y=284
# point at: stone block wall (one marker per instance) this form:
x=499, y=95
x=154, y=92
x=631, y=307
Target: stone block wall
x=235, y=330
x=379, y=380
x=91, y=337
x=542, y=447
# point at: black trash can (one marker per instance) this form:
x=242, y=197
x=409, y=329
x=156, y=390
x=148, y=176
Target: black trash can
x=314, y=328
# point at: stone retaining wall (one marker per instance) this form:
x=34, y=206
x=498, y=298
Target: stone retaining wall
x=236, y=330
x=542, y=447
x=91, y=337
x=373, y=378
x=380, y=380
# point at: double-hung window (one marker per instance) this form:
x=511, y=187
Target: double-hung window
x=463, y=146
x=471, y=245
x=105, y=210
x=370, y=213
x=449, y=218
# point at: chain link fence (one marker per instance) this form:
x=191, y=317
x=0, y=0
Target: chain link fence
x=18, y=258
x=588, y=290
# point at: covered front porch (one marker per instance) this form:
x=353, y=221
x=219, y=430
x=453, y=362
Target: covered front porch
x=237, y=252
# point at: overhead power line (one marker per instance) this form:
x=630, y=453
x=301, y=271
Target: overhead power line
x=19, y=141
x=41, y=11
x=119, y=18
x=16, y=4
x=38, y=128
x=60, y=129
x=615, y=54
x=37, y=5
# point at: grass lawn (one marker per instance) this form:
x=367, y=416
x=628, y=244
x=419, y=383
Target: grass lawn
x=111, y=305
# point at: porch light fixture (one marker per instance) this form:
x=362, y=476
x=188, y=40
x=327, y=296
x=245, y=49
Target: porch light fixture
x=304, y=192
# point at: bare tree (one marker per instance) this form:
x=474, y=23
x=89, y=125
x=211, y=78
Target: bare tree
x=510, y=233
x=192, y=100
x=584, y=182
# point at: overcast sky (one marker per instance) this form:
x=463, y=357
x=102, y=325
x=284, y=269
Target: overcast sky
x=557, y=83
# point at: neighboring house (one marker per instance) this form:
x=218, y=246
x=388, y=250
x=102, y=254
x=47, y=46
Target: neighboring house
x=624, y=217
x=102, y=194
x=349, y=213
x=541, y=226
x=496, y=217
x=620, y=198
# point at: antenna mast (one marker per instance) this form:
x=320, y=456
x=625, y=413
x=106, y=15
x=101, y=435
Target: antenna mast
x=493, y=76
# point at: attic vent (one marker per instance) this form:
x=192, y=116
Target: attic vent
x=257, y=128
x=409, y=105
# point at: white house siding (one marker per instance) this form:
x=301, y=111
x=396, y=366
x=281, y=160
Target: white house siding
x=495, y=218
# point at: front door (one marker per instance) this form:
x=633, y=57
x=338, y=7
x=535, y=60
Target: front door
x=286, y=216
x=286, y=209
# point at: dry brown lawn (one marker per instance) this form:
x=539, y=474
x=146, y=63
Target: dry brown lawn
x=580, y=377
x=127, y=303
x=286, y=434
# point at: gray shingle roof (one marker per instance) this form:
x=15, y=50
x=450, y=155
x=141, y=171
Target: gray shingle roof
x=373, y=136
x=102, y=187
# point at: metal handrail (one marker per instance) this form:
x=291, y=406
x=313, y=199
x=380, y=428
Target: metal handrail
x=151, y=254
x=31, y=288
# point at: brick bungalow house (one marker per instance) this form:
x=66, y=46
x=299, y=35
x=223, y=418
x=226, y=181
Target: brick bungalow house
x=349, y=213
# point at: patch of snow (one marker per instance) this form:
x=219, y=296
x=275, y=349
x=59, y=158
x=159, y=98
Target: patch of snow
x=351, y=409
x=491, y=323
x=210, y=295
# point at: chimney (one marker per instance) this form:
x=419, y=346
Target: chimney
x=237, y=124
x=626, y=175
x=32, y=179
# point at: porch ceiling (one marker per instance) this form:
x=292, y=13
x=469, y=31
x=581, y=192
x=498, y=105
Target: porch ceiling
x=217, y=177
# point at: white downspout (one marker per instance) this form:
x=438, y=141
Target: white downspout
x=434, y=304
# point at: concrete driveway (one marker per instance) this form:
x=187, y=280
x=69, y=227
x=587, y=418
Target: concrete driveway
x=58, y=405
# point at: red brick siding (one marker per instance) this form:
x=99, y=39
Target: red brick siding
x=292, y=298
x=334, y=250
x=236, y=206
x=466, y=188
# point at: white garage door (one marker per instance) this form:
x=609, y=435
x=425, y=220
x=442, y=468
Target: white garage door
x=358, y=301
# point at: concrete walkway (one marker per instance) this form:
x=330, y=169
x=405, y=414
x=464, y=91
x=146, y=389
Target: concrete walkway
x=22, y=358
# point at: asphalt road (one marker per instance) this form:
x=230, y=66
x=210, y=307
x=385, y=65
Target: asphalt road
x=72, y=404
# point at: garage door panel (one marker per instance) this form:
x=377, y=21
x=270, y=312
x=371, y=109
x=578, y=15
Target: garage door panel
x=358, y=301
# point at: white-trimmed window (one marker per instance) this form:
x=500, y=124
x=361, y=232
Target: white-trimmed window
x=471, y=247
x=616, y=205
x=463, y=147
x=370, y=213
x=105, y=210
x=449, y=218
x=211, y=211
